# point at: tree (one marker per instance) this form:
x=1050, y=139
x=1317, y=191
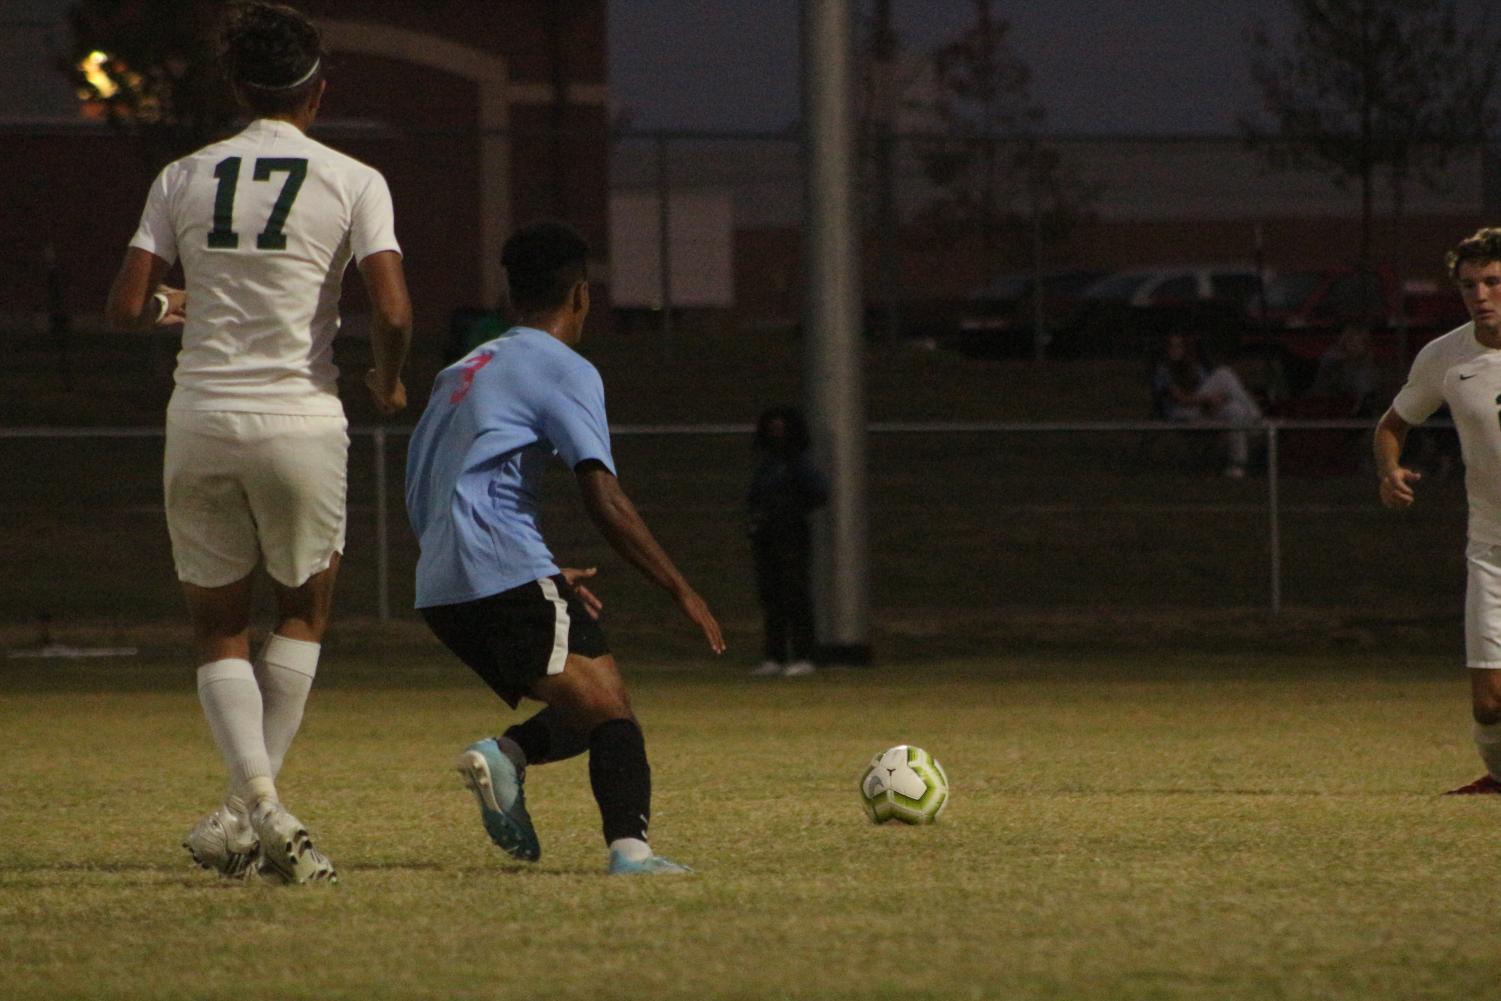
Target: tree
x=1367, y=87
x=152, y=71
x=997, y=172
x=878, y=120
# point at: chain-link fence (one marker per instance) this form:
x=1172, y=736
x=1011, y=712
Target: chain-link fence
x=965, y=521
x=965, y=251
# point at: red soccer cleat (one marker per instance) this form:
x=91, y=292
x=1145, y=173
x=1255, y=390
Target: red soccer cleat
x=1485, y=785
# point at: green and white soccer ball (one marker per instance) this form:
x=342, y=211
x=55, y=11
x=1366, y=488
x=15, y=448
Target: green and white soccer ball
x=904, y=783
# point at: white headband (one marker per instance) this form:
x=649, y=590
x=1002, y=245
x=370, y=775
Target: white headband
x=289, y=86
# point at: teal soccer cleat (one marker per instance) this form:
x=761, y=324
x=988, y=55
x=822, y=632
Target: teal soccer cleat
x=493, y=779
x=652, y=865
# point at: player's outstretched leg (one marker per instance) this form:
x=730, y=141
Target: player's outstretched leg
x=621, y=780
x=225, y=842
x=497, y=785
x=589, y=697
x=287, y=851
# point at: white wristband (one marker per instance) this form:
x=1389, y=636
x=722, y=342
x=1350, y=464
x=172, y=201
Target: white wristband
x=162, y=305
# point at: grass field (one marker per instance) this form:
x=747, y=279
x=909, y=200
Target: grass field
x=1159, y=791
x=1130, y=824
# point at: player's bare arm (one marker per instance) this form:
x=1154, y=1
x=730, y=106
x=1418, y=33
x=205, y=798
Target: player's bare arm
x=621, y=525
x=1396, y=481
x=390, y=328
x=133, y=305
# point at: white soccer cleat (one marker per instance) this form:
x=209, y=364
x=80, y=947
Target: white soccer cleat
x=798, y=669
x=287, y=851
x=767, y=669
x=224, y=842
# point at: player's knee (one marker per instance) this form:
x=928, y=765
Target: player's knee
x=304, y=611
x=304, y=624
x=600, y=703
x=588, y=693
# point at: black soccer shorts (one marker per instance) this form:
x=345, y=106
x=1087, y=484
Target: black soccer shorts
x=513, y=639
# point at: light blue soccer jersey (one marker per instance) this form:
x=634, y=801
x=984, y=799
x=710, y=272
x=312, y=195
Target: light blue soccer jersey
x=474, y=467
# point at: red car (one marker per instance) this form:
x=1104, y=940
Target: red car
x=1303, y=312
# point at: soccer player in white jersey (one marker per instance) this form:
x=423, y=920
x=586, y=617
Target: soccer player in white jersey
x=265, y=224
x=486, y=581
x=1463, y=369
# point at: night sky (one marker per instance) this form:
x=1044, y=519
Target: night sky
x=1100, y=66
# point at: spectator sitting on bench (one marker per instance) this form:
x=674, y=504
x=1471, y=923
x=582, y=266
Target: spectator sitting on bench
x=1225, y=399
x=1218, y=396
x=1175, y=381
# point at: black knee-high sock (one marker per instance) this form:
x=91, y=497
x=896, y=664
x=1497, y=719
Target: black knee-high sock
x=545, y=737
x=621, y=778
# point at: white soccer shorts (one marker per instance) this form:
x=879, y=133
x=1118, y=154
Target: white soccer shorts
x=241, y=487
x=1483, y=605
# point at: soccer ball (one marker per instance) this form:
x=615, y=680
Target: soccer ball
x=904, y=783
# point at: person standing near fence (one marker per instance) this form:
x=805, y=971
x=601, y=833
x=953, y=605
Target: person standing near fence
x=265, y=224
x=1463, y=369
x=487, y=583
x=785, y=490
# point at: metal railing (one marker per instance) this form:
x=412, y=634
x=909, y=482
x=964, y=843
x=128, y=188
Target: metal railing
x=965, y=502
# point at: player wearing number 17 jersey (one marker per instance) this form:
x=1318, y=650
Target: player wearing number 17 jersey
x=265, y=224
x=1463, y=369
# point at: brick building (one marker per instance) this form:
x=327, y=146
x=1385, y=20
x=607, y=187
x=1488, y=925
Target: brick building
x=482, y=114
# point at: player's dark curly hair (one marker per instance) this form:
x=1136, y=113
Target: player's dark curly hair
x=1481, y=247
x=272, y=54
x=543, y=261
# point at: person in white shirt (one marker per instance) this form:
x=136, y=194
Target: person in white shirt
x=1463, y=369
x=1225, y=398
x=265, y=224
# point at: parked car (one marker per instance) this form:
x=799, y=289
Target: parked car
x=1307, y=308
x=1176, y=286
x=1000, y=319
x=1128, y=312
x=1305, y=311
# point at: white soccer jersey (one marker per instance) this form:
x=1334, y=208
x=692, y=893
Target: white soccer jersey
x=1458, y=370
x=266, y=223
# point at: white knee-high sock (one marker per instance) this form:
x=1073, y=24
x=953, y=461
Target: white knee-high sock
x=1488, y=743
x=285, y=671
x=232, y=704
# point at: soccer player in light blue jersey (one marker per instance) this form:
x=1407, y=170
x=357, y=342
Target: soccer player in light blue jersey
x=486, y=582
